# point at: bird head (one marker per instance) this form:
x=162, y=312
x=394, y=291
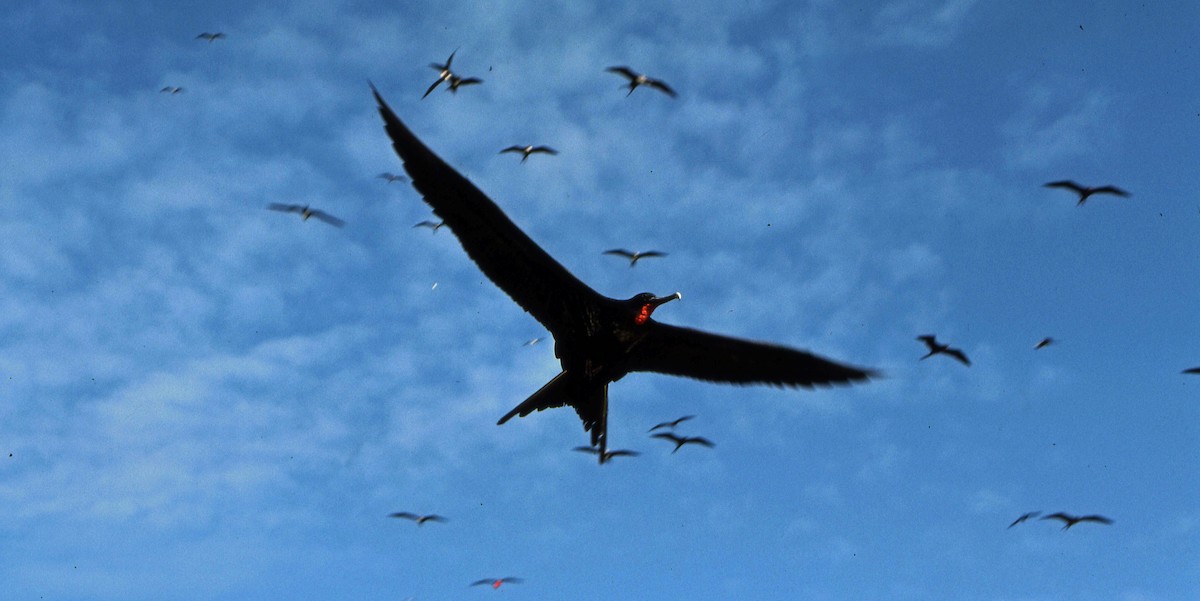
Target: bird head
x=645, y=303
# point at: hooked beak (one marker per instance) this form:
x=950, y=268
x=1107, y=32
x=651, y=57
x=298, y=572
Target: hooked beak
x=662, y=300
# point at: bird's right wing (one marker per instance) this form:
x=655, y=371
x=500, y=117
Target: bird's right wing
x=504, y=253
x=704, y=356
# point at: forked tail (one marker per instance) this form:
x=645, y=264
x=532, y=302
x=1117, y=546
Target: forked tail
x=591, y=404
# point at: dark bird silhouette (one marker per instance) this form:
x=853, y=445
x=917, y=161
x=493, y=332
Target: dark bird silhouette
x=1192, y=370
x=456, y=81
x=306, y=212
x=496, y=582
x=390, y=177
x=1025, y=516
x=532, y=341
x=605, y=456
x=682, y=440
x=671, y=424
x=433, y=225
x=1070, y=520
x=598, y=340
x=171, y=90
x=528, y=150
x=211, y=37
x=634, y=257
x=638, y=79
x=444, y=73
x=419, y=519
x=936, y=348
x=1084, y=191
x=1044, y=343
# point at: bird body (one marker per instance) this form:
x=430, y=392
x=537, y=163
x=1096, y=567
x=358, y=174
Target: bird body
x=598, y=340
x=1085, y=191
x=936, y=348
x=419, y=519
x=638, y=79
x=390, y=177
x=525, y=151
x=682, y=440
x=433, y=225
x=456, y=81
x=211, y=37
x=634, y=257
x=306, y=212
x=1070, y=520
x=496, y=582
x=171, y=90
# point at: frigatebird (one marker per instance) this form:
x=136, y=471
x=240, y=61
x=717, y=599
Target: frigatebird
x=171, y=90
x=1070, y=520
x=456, y=81
x=598, y=340
x=633, y=256
x=671, y=424
x=419, y=519
x=444, y=73
x=433, y=225
x=528, y=150
x=936, y=348
x=496, y=582
x=211, y=37
x=1085, y=191
x=637, y=79
x=1044, y=343
x=605, y=456
x=682, y=440
x=390, y=177
x=305, y=212
x=1025, y=516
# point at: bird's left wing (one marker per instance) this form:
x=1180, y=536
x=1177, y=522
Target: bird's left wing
x=704, y=356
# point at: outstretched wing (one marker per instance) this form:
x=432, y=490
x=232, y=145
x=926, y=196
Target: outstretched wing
x=625, y=71
x=957, y=354
x=661, y=85
x=275, y=206
x=620, y=252
x=1110, y=190
x=327, y=218
x=695, y=354
x=514, y=262
x=404, y=515
x=1068, y=185
x=1095, y=518
x=544, y=149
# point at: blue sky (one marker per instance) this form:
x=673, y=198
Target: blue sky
x=200, y=398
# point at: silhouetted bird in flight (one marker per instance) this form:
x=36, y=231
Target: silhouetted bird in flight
x=1070, y=520
x=638, y=79
x=433, y=225
x=532, y=341
x=496, y=582
x=456, y=81
x=528, y=150
x=671, y=424
x=605, y=456
x=306, y=212
x=1026, y=516
x=444, y=73
x=598, y=340
x=419, y=519
x=1084, y=191
x=1044, y=343
x=942, y=349
x=682, y=440
x=171, y=90
x=211, y=37
x=1192, y=370
x=390, y=177
x=634, y=257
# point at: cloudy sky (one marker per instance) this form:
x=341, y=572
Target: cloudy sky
x=204, y=399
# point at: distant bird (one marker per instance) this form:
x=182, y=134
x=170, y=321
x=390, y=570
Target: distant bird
x=1026, y=516
x=390, y=177
x=532, y=342
x=1070, y=520
x=456, y=81
x=634, y=257
x=1084, y=191
x=1192, y=370
x=597, y=340
x=435, y=226
x=605, y=456
x=671, y=424
x=211, y=37
x=682, y=440
x=444, y=73
x=528, y=150
x=171, y=90
x=419, y=519
x=638, y=79
x=1044, y=343
x=306, y=212
x=936, y=348
x=496, y=582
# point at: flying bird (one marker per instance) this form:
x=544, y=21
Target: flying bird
x=531, y=341
x=1044, y=343
x=456, y=81
x=171, y=90
x=433, y=225
x=1192, y=370
x=936, y=348
x=671, y=424
x=1026, y=516
x=1070, y=520
x=605, y=456
x=682, y=440
x=528, y=150
x=211, y=37
x=1084, y=191
x=444, y=73
x=419, y=519
x=634, y=257
x=496, y=582
x=305, y=212
x=638, y=79
x=390, y=177
x=598, y=340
